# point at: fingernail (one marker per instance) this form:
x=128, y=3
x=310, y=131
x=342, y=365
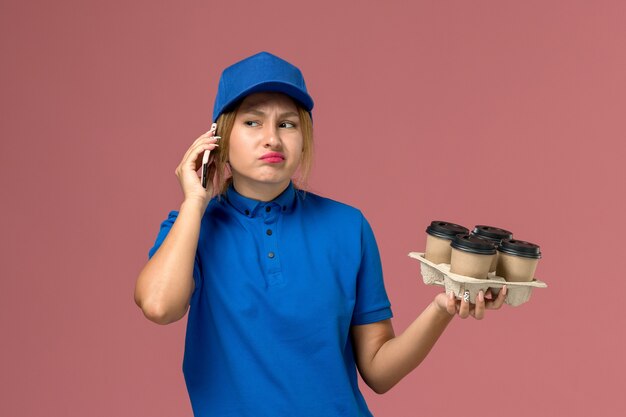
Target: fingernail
x=466, y=296
x=451, y=295
x=217, y=137
x=504, y=290
x=481, y=296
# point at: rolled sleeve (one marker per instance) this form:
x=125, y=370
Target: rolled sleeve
x=166, y=226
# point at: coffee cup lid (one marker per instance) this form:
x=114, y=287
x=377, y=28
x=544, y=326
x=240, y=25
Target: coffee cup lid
x=473, y=244
x=490, y=232
x=520, y=248
x=445, y=230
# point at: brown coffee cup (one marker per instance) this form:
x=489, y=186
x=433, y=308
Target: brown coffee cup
x=517, y=260
x=493, y=235
x=471, y=256
x=438, y=237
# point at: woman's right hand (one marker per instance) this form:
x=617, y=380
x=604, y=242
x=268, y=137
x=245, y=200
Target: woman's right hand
x=187, y=170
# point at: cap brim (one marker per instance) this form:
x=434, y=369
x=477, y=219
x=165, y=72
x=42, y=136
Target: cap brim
x=290, y=90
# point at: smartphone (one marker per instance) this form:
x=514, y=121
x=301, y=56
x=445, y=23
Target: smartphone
x=205, y=160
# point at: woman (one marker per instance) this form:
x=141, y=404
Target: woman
x=284, y=288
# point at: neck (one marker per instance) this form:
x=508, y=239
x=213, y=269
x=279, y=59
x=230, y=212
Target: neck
x=260, y=192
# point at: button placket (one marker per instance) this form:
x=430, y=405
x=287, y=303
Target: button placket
x=270, y=214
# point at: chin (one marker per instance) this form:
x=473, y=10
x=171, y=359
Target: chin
x=273, y=177
x=268, y=177
x=274, y=181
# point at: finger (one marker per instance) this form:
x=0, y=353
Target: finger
x=489, y=295
x=479, y=308
x=210, y=134
x=194, y=145
x=206, y=135
x=202, y=140
x=195, y=159
x=451, y=304
x=211, y=131
x=464, y=310
x=199, y=149
x=497, y=303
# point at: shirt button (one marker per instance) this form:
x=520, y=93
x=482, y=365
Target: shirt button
x=269, y=232
x=247, y=212
x=268, y=208
x=270, y=255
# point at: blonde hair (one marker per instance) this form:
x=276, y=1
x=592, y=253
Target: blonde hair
x=225, y=122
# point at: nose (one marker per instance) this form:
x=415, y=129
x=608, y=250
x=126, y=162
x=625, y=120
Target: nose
x=272, y=138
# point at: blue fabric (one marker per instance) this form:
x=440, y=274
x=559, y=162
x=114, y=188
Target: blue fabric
x=258, y=73
x=268, y=335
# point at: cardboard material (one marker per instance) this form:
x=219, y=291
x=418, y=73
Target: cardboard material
x=516, y=268
x=494, y=262
x=470, y=264
x=439, y=274
x=438, y=249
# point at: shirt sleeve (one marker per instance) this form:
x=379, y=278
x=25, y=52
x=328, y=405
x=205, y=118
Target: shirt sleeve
x=372, y=303
x=166, y=226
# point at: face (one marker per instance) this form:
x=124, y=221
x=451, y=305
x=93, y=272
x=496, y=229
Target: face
x=265, y=143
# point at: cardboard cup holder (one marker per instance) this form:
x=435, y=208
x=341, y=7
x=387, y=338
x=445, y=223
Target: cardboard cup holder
x=439, y=274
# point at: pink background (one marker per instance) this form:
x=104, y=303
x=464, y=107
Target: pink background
x=507, y=113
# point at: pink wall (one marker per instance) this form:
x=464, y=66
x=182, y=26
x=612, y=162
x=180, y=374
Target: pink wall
x=502, y=112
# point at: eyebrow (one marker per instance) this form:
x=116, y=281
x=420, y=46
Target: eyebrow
x=254, y=111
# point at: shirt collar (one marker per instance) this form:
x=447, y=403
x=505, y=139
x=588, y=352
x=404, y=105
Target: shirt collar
x=249, y=207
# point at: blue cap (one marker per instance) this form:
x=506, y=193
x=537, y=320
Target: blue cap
x=262, y=72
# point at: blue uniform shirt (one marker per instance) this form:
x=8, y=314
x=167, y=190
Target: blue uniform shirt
x=277, y=286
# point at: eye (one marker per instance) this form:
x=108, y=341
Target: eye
x=251, y=123
x=287, y=125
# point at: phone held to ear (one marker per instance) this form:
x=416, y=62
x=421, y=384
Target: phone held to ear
x=205, y=159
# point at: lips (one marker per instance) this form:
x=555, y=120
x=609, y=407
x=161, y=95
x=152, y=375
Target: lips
x=273, y=157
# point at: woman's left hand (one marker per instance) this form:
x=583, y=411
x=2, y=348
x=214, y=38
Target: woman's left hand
x=449, y=303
